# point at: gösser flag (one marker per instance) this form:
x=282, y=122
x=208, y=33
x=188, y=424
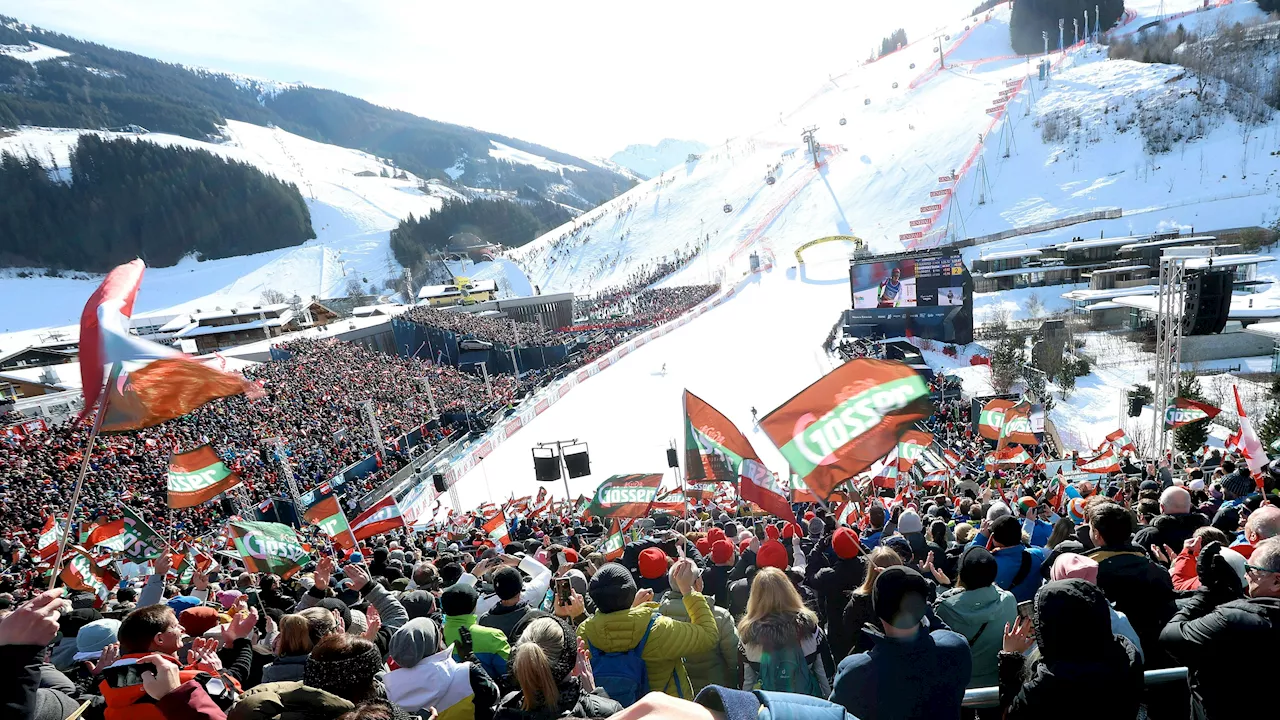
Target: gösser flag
x=1185, y=412
x=847, y=420
x=714, y=448
x=198, y=476
x=159, y=383
x=269, y=547
x=625, y=496
x=991, y=418
x=384, y=516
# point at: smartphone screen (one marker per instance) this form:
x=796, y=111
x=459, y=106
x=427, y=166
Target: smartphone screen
x=127, y=675
x=564, y=591
x=1026, y=609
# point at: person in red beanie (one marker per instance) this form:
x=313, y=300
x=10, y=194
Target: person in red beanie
x=715, y=574
x=833, y=584
x=772, y=554
x=703, y=545
x=653, y=565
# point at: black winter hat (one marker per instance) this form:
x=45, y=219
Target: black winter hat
x=899, y=596
x=977, y=568
x=507, y=583
x=419, y=603
x=1238, y=483
x=335, y=604
x=459, y=599
x=612, y=588
x=1007, y=531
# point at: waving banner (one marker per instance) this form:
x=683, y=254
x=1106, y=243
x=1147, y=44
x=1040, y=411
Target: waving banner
x=139, y=542
x=847, y=420
x=269, y=547
x=991, y=418
x=714, y=448
x=625, y=496
x=1186, y=412
x=198, y=476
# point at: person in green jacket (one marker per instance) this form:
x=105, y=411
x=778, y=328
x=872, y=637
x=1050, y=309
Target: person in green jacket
x=717, y=666
x=458, y=602
x=624, y=614
x=979, y=609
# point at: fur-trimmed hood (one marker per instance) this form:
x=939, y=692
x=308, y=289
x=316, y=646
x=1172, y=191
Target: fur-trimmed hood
x=779, y=630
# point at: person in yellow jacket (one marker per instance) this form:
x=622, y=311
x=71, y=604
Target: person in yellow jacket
x=626, y=615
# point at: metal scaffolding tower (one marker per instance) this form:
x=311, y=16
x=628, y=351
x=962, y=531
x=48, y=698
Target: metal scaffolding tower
x=278, y=449
x=366, y=409
x=1170, y=303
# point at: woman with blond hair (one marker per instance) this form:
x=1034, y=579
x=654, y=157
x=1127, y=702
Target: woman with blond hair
x=859, y=611
x=551, y=672
x=781, y=639
x=299, y=633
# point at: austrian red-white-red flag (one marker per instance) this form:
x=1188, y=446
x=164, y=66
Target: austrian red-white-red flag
x=1255, y=455
x=756, y=484
x=383, y=517
x=1122, y=441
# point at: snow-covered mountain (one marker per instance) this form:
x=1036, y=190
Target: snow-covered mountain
x=912, y=154
x=649, y=161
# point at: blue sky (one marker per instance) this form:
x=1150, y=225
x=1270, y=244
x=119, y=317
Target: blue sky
x=582, y=77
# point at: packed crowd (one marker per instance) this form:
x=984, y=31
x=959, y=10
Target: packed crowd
x=510, y=333
x=312, y=402
x=606, y=302
x=646, y=308
x=894, y=616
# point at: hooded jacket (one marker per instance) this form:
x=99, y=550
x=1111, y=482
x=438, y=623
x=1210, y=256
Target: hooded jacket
x=669, y=641
x=1220, y=645
x=1076, y=650
x=287, y=701
x=455, y=689
x=717, y=666
x=850, y=639
x=773, y=631
x=132, y=702
x=832, y=586
x=489, y=644
x=287, y=668
x=980, y=616
x=1140, y=589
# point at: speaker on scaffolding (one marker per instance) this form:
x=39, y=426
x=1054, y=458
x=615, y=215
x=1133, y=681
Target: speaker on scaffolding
x=1208, y=300
x=228, y=508
x=673, y=459
x=577, y=461
x=546, y=464
x=438, y=481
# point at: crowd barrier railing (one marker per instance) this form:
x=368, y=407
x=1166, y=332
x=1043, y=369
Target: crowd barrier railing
x=989, y=697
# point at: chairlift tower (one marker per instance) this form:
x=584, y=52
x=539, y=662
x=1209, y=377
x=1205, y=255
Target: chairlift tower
x=1170, y=303
x=807, y=136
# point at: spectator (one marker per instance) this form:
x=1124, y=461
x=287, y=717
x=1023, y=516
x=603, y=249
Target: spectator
x=1220, y=629
x=781, y=639
x=626, y=620
x=1069, y=566
x=910, y=672
x=552, y=676
x=1175, y=523
x=979, y=610
x=511, y=609
x=858, y=613
x=1018, y=565
x=428, y=676
x=1136, y=585
x=458, y=602
x=833, y=584
x=1072, y=631
x=719, y=665
x=298, y=635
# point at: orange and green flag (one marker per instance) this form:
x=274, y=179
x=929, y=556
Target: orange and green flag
x=847, y=420
x=198, y=476
x=269, y=547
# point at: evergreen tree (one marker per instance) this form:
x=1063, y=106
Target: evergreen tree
x=1031, y=17
x=1006, y=364
x=1190, y=438
x=896, y=39
x=128, y=199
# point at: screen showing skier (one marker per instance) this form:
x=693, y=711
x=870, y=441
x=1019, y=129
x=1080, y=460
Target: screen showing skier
x=884, y=285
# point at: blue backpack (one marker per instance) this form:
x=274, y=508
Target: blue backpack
x=623, y=674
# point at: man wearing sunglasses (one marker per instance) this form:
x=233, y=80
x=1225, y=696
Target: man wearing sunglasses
x=1221, y=635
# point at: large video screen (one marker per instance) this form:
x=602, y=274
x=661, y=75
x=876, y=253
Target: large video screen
x=928, y=295
x=909, y=282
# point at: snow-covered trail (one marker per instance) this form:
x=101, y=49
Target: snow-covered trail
x=755, y=350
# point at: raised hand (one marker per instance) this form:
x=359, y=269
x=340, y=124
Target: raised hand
x=643, y=595
x=204, y=655
x=1018, y=638
x=324, y=570
x=109, y=655
x=373, y=621
x=358, y=575
x=241, y=626
x=36, y=622
x=165, y=678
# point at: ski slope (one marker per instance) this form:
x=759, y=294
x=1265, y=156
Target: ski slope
x=877, y=172
x=352, y=217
